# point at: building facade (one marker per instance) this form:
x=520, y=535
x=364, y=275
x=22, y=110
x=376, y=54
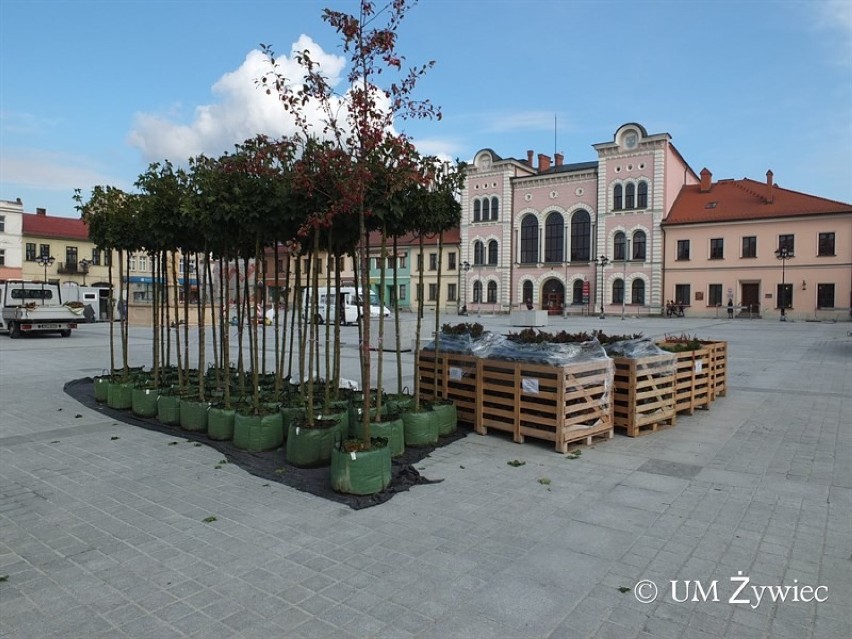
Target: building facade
x=761, y=247
x=11, y=231
x=608, y=237
x=571, y=238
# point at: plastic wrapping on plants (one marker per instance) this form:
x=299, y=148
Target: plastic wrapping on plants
x=268, y=465
x=634, y=348
x=547, y=353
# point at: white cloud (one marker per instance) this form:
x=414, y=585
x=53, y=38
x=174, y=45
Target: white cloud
x=49, y=171
x=240, y=111
x=834, y=18
x=25, y=123
x=519, y=121
x=441, y=148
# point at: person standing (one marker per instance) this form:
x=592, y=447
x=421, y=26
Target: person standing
x=730, y=308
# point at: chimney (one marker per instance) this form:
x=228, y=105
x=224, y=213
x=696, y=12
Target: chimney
x=559, y=158
x=770, y=195
x=543, y=162
x=41, y=211
x=706, y=180
x=530, y=154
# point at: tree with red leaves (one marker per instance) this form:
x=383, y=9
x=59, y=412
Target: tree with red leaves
x=359, y=123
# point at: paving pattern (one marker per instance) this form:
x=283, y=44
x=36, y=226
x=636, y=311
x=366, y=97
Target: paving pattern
x=103, y=532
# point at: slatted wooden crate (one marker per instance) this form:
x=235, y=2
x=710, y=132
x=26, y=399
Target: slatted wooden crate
x=692, y=380
x=718, y=369
x=456, y=381
x=644, y=393
x=562, y=404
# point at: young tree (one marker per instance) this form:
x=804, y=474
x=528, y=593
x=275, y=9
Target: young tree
x=361, y=123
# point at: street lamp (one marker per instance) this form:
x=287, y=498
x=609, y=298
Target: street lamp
x=783, y=253
x=624, y=277
x=84, y=268
x=465, y=268
x=602, y=261
x=45, y=261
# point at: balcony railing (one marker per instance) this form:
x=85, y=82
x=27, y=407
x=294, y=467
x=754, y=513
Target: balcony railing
x=68, y=268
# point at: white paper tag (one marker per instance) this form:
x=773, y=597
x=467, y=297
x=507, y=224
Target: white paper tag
x=529, y=385
x=352, y=455
x=699, y=366
x=297, y=430
x=456, y=372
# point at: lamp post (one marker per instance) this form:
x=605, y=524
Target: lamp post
x=84, y=268
x=624, y=277
x=45, y=261
x=465, y=267
x=602, y=261
x=783, y=254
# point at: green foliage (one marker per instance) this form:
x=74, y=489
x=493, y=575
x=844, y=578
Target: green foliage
x=475, y=330
x=680, y=343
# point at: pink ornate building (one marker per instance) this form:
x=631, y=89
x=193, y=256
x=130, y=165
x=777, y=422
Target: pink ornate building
x=571, y=238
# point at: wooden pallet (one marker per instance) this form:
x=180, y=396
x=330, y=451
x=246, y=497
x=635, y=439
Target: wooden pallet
x=692, y=380
x=718, y=369
x=564, y=404
x=455, y=379
x=644, y=393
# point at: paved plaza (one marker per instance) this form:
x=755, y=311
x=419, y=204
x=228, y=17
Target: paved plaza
x=102, y=530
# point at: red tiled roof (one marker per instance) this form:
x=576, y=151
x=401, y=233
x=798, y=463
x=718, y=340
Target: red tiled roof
x=735, y=200
x=51, y=226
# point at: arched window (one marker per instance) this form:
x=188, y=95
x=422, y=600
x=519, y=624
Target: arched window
x=639, y=245
x=478, y=253
x=477, y=208
x=581, y=226
x=619, y=246
x=616, y=198
x=495, y=208
x=529, y=240
x=492, y=253
x=492, y=292
x=577, y=292
x=477, y=291
x=528, y=292
x=486, y=215
x=618, y=291
x=638, y=291
x=554, y=238
x=629, y=196
x=642, y=195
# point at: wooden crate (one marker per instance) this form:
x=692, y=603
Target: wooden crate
x=692, y=380
x=456, y=381
x=718, y=369
x=562, y=404
x=644, y=393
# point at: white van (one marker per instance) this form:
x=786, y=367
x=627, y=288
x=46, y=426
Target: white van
x=350, y=302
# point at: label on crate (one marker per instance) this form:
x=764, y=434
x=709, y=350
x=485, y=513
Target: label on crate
x=455, y=372
x=529, y=385
x=699, y=366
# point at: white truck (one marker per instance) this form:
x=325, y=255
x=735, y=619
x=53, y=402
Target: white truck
x=350, y=302
x=35, y=307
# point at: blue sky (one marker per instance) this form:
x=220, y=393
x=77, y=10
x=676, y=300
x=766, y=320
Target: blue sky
x=91, y=92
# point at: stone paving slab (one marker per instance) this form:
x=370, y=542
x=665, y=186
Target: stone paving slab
x=103, y=537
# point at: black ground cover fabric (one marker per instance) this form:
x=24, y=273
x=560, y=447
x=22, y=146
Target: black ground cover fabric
x=273, y=465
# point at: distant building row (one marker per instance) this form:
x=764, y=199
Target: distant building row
x=629, y=232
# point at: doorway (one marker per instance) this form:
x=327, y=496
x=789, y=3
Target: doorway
x=553, y=296
x=750, y=298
